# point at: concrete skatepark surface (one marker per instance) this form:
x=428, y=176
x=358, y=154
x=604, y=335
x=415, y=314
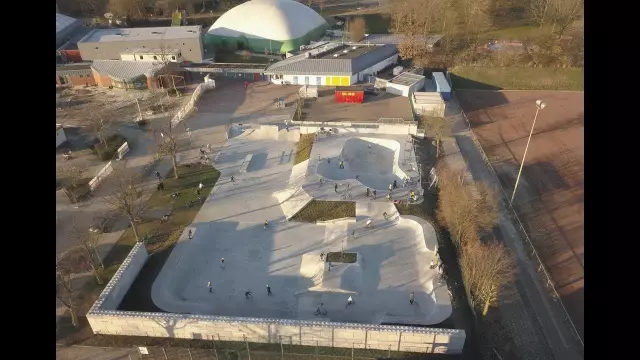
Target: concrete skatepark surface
x=393, y=255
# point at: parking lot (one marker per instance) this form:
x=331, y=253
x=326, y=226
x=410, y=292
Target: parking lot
x=384, y=105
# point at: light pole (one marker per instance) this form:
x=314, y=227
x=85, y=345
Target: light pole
x=539, y=106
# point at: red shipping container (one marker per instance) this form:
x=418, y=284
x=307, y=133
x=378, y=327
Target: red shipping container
x=347, y=95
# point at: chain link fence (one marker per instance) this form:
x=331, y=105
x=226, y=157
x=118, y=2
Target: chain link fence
x=558, y=306
x=223, y=350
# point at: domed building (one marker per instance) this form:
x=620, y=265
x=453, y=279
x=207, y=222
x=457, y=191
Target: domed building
x=274, y=26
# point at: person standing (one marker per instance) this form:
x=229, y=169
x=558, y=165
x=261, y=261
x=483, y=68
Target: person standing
x=232, y=179
x=222, y=263
x=432, y=264
x=268, y=290
x=190, y=236
x=411, y=298
x=266, y=224
x=248, y=295
x=209, y=286
x=374, y=194
x=335, y=187
x=246, y=84
x=200, y=186
x=158, y=175
x=390, y=187
x=395, y=184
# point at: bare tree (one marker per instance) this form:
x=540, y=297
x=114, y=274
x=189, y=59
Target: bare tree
x=66, y=268
x=309, y=2
x=440, y=127
x=539, y=11
x=126, y=198
x=321, y=4
x=169, y=145
x=99, y=122
x=72, y=175
x=357, y=28
x=475, y=17
x=132, y=8
x=465, y=209
x=87, y=242
x=487, y=268
x=566, y=12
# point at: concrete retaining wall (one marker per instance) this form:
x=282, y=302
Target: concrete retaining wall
x=359, y=128
x=120, y=283
x=102, y=174
x=295, y=332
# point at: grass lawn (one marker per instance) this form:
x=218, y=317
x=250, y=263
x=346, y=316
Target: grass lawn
x=339, y=257
x=517, y=78
x=303, y=148
x=164, y=236
x=320, y=210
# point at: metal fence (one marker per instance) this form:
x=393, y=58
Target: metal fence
x=216, y=350
x=533, y=254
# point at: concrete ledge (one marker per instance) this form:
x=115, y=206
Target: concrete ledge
x=345, y=219
x=245, y=163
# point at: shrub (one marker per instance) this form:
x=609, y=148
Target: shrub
x=106, y=153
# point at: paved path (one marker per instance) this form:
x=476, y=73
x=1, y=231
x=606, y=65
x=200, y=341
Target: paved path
x=536, y=328
x=94, y=353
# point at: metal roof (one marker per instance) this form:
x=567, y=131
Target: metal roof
x=62, y=21
x=137, y=34
x=326, y=65
x=397, y=39
x=126, y=70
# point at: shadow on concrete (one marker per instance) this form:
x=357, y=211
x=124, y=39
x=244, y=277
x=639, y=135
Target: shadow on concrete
x=471, y=101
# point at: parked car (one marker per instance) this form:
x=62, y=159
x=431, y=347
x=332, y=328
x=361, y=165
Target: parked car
x=99, y=225
x=371, y=91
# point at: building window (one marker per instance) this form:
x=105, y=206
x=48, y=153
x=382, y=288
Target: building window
x=141, y=57
x=173, y=57
x=80, y=75
x=155, y=57
x=63, y=80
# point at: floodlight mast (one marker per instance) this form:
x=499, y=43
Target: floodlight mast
x=539, y=106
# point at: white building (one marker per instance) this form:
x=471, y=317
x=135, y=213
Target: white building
x=163, y=55
x=60, y=135
x=334, y=64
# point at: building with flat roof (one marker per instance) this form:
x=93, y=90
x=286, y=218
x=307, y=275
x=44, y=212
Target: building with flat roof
x=334, y=64
x=108, y=44
x=65, y=28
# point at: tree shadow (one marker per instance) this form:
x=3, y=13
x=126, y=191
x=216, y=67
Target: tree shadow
x=462, y=83
x=473, y=101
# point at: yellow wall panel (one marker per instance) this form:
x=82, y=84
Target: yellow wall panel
x=345, y=81
x=335, y=80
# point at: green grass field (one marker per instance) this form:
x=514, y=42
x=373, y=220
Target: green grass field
x=517, y=78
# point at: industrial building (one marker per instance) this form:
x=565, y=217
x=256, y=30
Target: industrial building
x=272, y=26
x=126, y=75
x=65, y=27
x=334, y=64
x=109, y=44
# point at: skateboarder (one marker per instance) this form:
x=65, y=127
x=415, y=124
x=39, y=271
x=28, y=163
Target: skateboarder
x=268, y=290
x=368, y=192
x=390, y=187
x=368, y=223
x=266, y=224
x=341, y=164
x=335, y=187
x=385, y=215
x=232, y=179
x=322, y=256
x=248, y=295
x=246, y=84
x=209, y=286
x=374, y=194
x=190, y=235
x=395, y=184
x=200, y=186
x=411, y=298
x=222, y=263
x=349, y=301
x=357, y=177
x=432, y=264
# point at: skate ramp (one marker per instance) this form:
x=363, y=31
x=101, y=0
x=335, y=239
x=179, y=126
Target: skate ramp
x=370, y=155
x=373, y=160
x=311, y=271
x=265, y=132
x=293, y=135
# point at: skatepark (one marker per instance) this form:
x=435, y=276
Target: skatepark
x=393, y=253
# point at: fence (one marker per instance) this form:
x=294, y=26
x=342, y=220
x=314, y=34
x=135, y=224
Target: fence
x=123, y=150
x=217, y=350
x=184, y=112
x=533, y=254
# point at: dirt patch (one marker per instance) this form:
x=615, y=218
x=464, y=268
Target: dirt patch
x=550, y=195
